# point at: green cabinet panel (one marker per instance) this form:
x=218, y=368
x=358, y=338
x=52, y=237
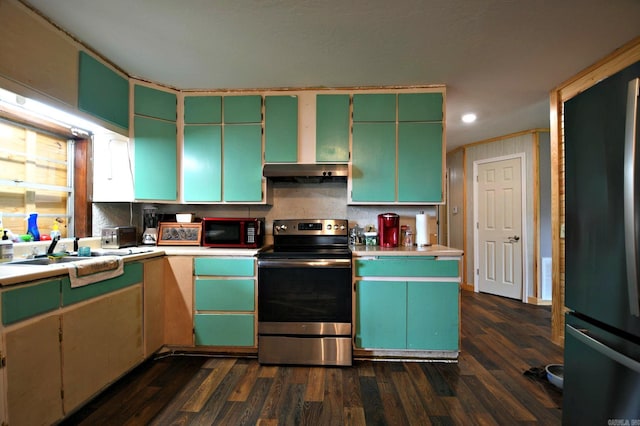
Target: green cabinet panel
x=432, y=315
x=102, y=92
x=202, y=163
x=420, y=107
x=373, y=170
x=374, y=107
x=242, y=163
x=224, y=329
x=381, y=308
x=224, y=294
x=420, y=162
x=332, y=128
x=29, y=301
x=281, y=129
x=133, y=274
x=156, y=103
x=242, y=109
x=156, y=166
x=231, y=267
x=406, y=266
x=203, y=109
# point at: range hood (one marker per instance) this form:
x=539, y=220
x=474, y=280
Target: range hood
x=306, y=172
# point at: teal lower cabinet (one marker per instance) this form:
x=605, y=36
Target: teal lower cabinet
x=432, y=315
x=418, y=315
x=30, y=300
x=381, y=308
x=224, y=329
x=224, y=301
x=407, y=305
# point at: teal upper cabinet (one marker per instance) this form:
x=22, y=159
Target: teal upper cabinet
x=202, y=109
x=151, y=102
x=373, y=166
x=332, y=128
x=222, y=149
x=155, y=144
x=202, y=163
x=420, y=107
x=409, y=169
x=102, y=92
x=374, y=107
x=242, y=163
x=281, y=129
x=242, y=109
x=420, y=162
x=156, y=163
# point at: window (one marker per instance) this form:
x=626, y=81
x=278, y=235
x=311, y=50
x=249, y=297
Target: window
x=36, y=175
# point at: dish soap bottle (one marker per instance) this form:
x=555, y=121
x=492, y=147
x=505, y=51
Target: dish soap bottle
x=55, y=232
x=6, y=248
x=32, y=226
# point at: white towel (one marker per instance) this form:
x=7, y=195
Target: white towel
x=89, y=271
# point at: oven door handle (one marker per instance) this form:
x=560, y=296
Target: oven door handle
x=304, y=263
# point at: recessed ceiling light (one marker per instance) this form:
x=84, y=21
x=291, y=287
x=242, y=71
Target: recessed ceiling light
x=469, y=118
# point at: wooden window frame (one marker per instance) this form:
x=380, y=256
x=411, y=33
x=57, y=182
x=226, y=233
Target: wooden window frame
x=82, y=167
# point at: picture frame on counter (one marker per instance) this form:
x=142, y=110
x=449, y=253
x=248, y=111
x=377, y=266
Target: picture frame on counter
x=179, y=234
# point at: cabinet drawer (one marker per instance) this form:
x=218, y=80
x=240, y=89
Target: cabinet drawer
x=224, y=267
x=224, y=295
x=409, y=266
x=30, y=301
x=133, y=274
x=224, y=329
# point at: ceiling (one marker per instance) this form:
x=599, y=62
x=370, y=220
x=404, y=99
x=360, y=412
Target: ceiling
x=498, y=58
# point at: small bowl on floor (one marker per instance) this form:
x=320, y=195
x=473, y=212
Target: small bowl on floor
x=555, y=374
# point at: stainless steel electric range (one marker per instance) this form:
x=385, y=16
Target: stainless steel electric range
x=304, y=294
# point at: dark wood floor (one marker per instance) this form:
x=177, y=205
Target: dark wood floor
x=501, y=339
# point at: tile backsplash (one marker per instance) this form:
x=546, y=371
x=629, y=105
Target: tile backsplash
x=290, y=200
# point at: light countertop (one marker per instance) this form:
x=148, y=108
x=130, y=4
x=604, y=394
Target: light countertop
x=12, y=273
x=432, y=250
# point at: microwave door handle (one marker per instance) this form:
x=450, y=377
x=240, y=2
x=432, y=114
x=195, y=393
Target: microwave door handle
x=630, y=212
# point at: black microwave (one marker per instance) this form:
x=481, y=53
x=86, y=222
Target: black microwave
x=232, y=232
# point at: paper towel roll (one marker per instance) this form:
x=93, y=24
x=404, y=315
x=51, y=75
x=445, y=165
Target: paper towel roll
x=422, y=232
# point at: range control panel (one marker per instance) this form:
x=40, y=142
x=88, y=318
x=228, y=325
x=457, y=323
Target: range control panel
x=310, y=227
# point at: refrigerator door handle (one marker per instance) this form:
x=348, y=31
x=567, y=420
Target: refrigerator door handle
x=605, y=350
x=630, y=213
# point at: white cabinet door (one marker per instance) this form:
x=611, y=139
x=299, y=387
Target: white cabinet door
x=112, y=168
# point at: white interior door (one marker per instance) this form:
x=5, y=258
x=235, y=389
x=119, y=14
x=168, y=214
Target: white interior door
x=499, y=227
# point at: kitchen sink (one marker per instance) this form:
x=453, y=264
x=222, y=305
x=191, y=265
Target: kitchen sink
x=49, y=261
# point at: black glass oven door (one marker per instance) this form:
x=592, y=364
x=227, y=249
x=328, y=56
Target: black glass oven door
x=305, y=291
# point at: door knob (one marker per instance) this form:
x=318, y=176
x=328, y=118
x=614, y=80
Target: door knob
x=513, y=239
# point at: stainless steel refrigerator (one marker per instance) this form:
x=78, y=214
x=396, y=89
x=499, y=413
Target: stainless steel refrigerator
x=602, y=333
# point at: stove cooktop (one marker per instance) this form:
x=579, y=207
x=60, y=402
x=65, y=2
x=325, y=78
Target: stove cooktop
x=299, y=238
